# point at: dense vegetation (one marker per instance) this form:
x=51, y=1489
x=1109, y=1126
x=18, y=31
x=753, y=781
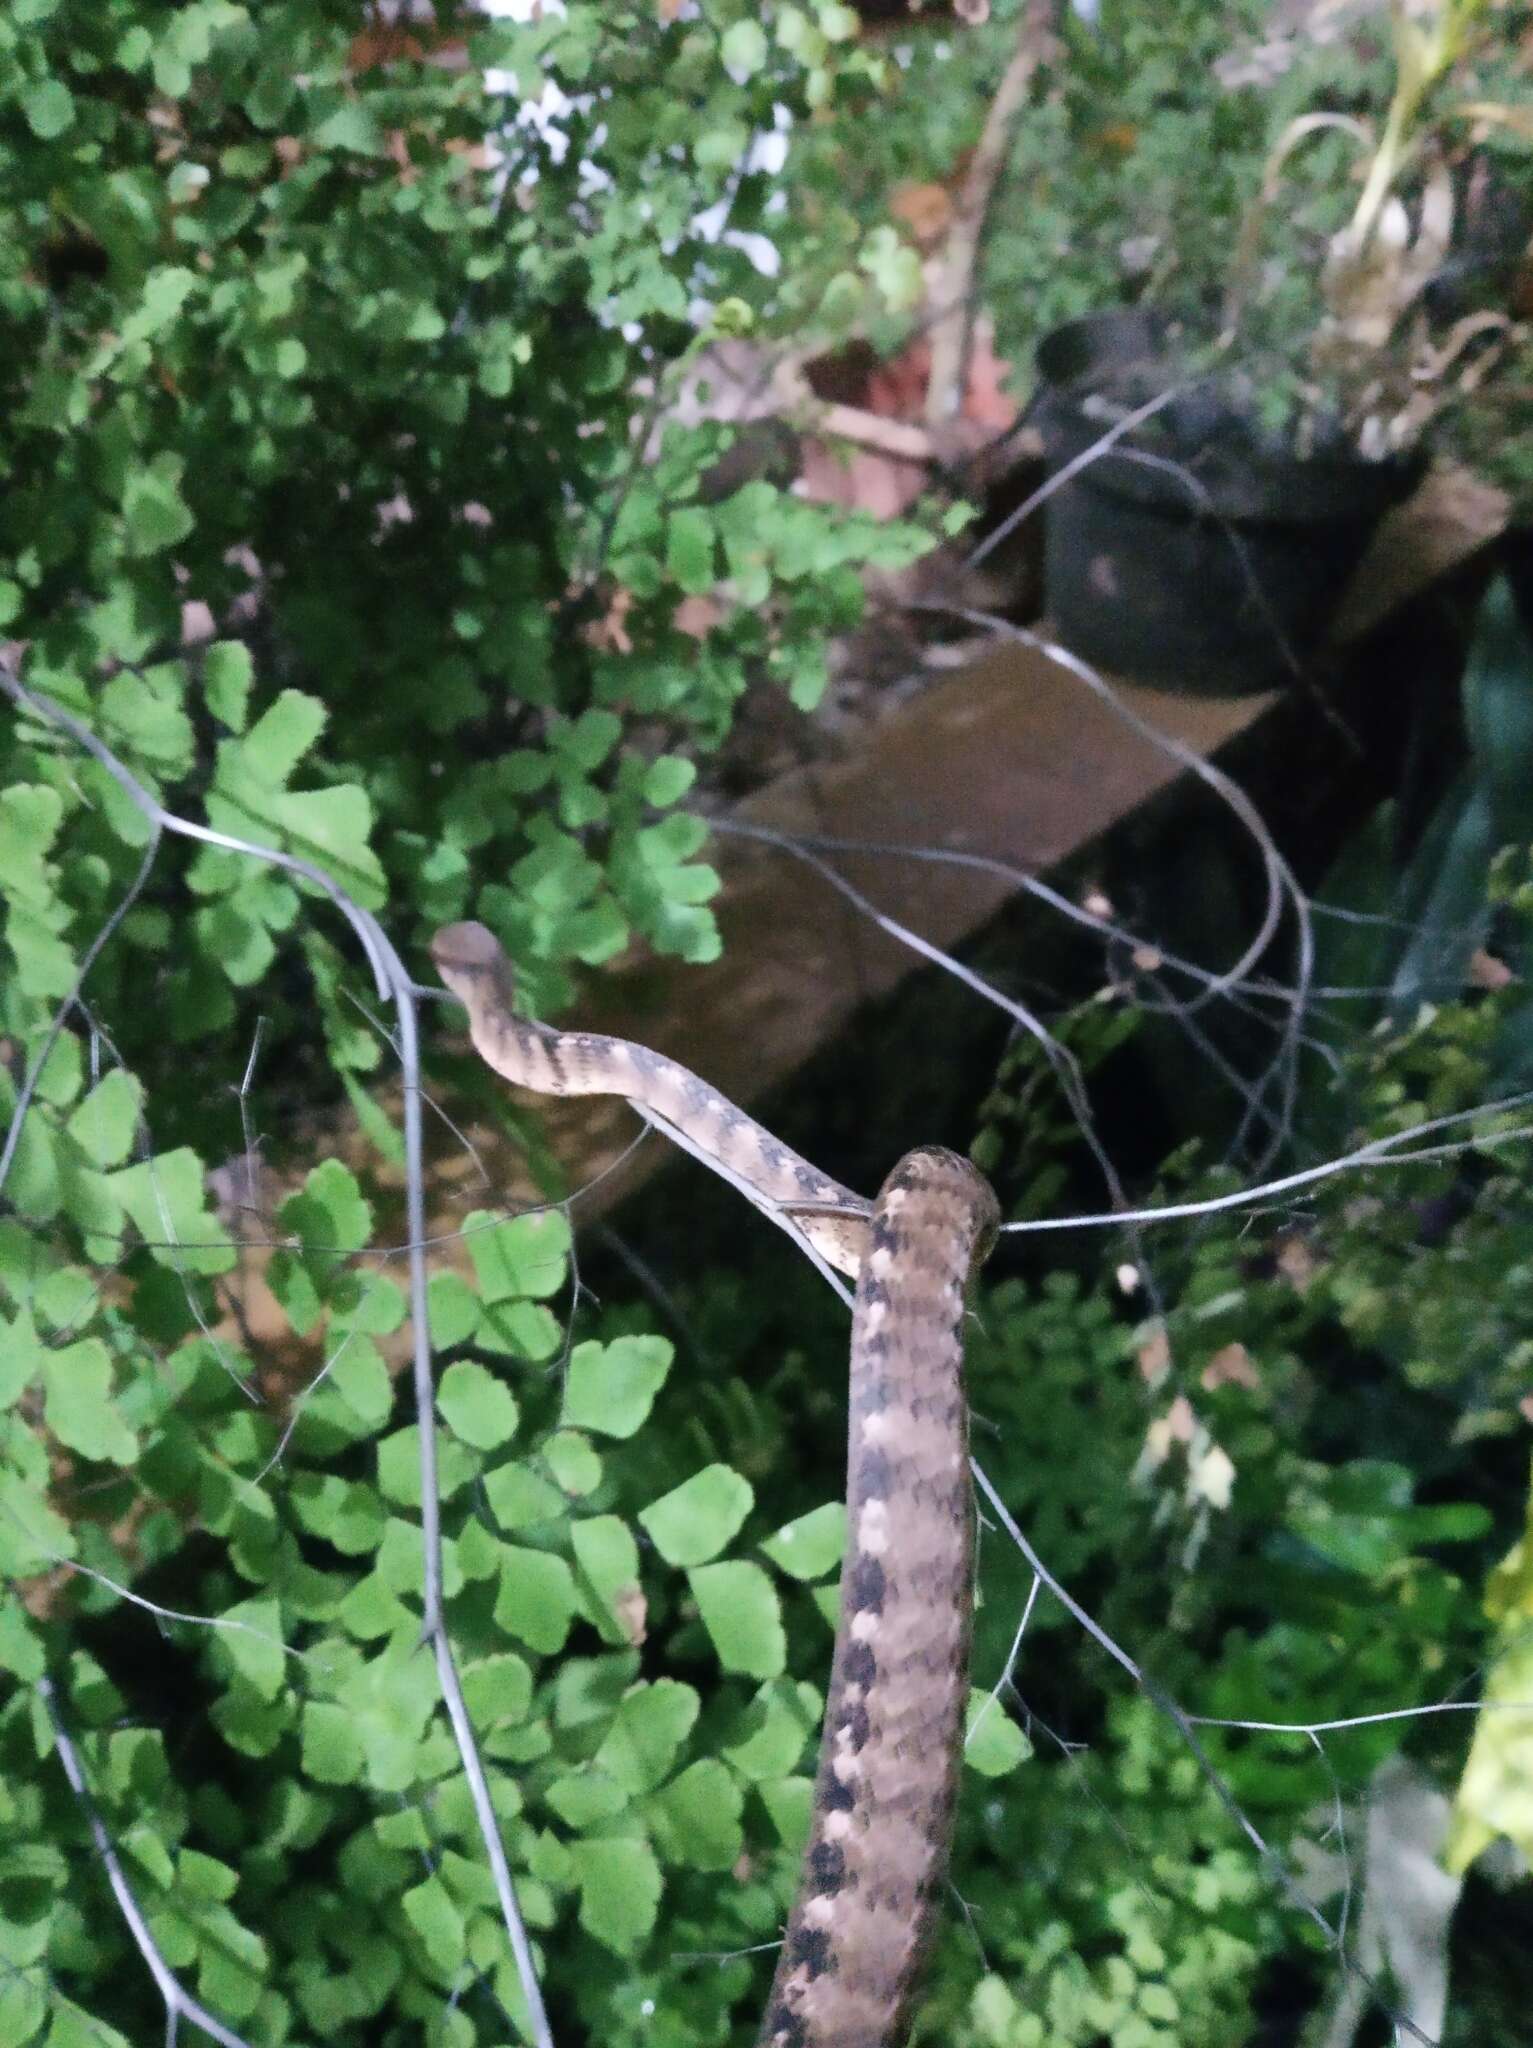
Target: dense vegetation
x=327, y=520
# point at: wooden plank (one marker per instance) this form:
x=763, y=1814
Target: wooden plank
x=1012, y=758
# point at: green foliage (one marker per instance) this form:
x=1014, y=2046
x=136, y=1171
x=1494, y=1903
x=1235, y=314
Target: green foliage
x=642, y=1615
x=1493, y=1795
x=283, y=350
x=1452, y=896
x=296, y=360
x=1138, y=172
x=283, y=1873
x=1305, y=1429
x=288, y=355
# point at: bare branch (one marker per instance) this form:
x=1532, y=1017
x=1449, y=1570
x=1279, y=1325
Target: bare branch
x=396, y=984
x=179, y=2004
x=952, y=333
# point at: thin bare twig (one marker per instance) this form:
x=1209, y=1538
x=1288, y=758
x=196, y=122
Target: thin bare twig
x=179, y=2003
x=1186, y=1729
x=396, y=984
x=952, y=335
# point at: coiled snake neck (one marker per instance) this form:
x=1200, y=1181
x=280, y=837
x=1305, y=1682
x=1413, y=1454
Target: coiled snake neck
x=892, y=1743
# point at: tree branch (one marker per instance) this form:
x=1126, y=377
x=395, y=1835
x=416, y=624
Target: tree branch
x=952, y=334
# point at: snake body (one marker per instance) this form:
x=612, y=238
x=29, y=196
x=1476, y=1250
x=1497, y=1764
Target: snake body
x=889, y=1755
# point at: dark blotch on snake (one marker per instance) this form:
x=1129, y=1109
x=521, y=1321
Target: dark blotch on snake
x=858, y=1726
x=810, y=1948
x=868, y=1585
x=827, y=1867
x=860, y=1667
x=873, y=1474
x=788, y=2028
x=836, y=1797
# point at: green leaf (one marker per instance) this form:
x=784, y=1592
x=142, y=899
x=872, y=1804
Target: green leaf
x=522, y=1258
x=79, y=1407
x=1495, y=1794
x=239, y=942
x=345, y=1512
x=650, y=1725
x=575, y=1466
x=48, y=106
x=106, y=1122
x=697, y=1817
x=776, y=1725
x=585, y=1798
x=537, y=1598
x=400, y=1564
x=689, y=550
x=610, y=1387
x=609, y=1557
x=667, y=780
x=497, y=1689
x=739, y=1609
x=164, y=1197
x=332, y=1748
x=430, y=1910
x=281, y=736
x=251, y=1638
x=34, y=1185
x=518, y=1497
x=331, y=827
x=30, y=816
x=476, y=1407
x=694, y=1521
x=153, y=510
x=350, y=126
x=452, y=1309
x=372, y=1610
x=32, y=1536
x=399, y=1472
x=812, y=1545
x=619, y=1891
x=227, y=673
x=62, y=1074
x=166, y=291
x=24, y=2004
x=359, y=1378
x=73, y=2027
x=789, y=1803
x=993, y=1744
x=589, y=739
x=146, y=711
x=743, y=49
x=21, y=1357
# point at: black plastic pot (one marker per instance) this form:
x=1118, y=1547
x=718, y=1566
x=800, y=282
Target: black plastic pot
x=1190, y=553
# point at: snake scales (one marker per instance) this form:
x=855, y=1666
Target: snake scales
x=889, y=1755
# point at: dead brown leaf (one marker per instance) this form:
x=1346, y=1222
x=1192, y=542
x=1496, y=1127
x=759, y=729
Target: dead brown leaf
x=1487, y=972
x=1155, y=1357
x=1231, y=1365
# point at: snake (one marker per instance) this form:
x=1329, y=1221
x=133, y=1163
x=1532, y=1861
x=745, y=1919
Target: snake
x=881, y=1817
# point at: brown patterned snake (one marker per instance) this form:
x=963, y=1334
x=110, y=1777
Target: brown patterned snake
x=890, y=1751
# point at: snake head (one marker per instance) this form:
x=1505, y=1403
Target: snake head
x=472, y=963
